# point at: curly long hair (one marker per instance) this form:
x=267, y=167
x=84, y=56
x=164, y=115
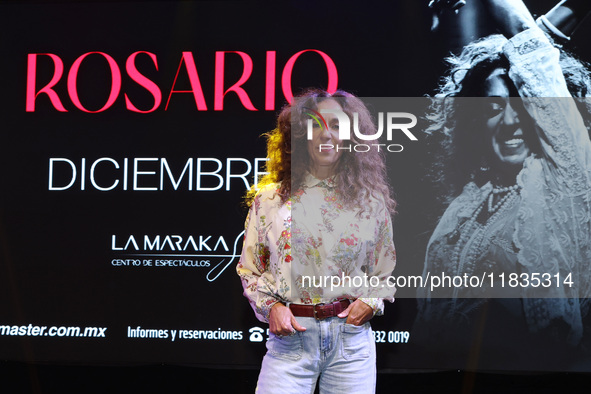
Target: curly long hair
x=360, y=176
x=457, y=159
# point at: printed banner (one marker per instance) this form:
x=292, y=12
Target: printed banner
x=133, y=130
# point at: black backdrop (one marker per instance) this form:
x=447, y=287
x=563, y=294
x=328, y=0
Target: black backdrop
x=60, y=248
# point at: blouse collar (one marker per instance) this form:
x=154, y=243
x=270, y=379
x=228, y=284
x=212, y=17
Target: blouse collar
x=311, y=181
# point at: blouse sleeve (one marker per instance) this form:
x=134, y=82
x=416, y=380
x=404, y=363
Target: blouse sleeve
x=563, y=137
x=553, y=230
x=381, y=263
x=253, y=267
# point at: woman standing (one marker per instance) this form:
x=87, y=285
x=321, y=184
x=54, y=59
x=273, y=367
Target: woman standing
x=323, y=211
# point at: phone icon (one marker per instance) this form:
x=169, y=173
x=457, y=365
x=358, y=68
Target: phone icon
x=256, y=334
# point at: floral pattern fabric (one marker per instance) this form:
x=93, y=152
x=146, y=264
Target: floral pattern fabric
x=289, y=249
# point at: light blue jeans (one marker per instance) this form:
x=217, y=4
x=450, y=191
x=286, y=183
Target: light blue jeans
x=342, y=356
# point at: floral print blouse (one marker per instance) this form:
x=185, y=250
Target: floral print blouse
x=313, y=249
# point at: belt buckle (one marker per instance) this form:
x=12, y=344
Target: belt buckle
x=316, y=312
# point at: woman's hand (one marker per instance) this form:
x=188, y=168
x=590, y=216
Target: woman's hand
x=357, y=313
x=282, y=322
x=441, y=6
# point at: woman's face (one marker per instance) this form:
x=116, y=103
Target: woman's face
x=322, y=148
x=506, y=121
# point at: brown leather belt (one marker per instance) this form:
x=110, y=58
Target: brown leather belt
x=319, y=311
